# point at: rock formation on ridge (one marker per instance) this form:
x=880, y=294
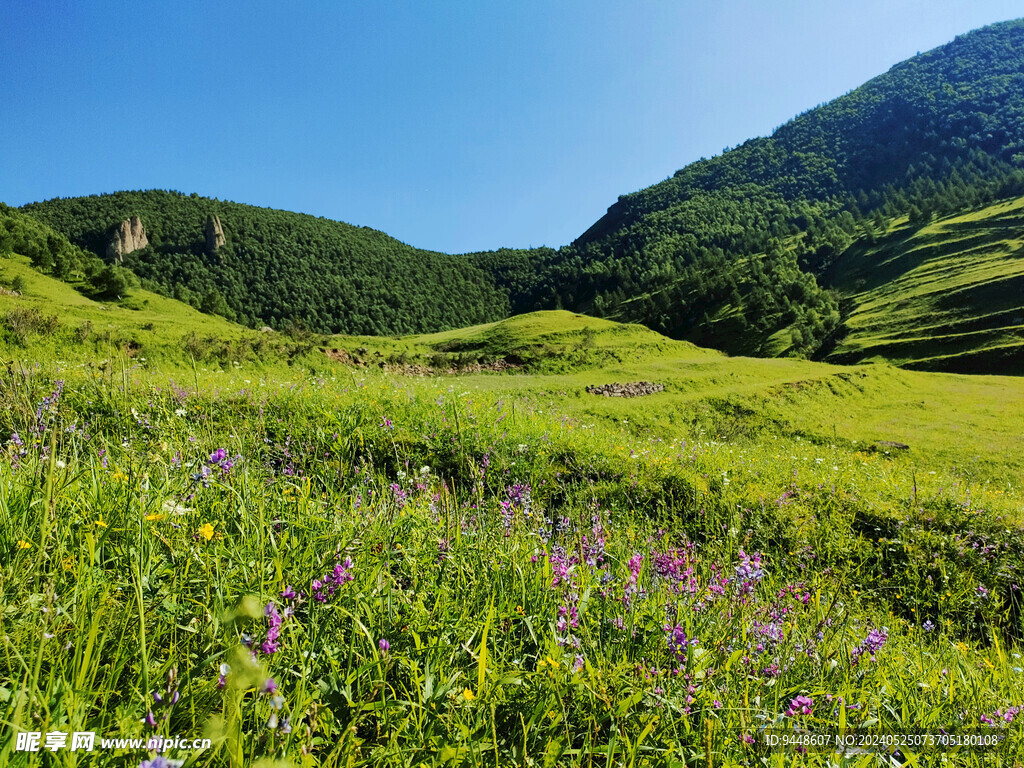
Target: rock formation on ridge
x=127, y=237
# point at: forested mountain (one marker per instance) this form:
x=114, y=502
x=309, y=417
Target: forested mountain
x=729, y=252
x=280, y=268
x=726, y=244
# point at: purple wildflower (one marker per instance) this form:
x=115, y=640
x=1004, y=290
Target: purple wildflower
x=161, y=762
x=274, y=621
x=324, y=588
x=870, y=645
x=678, y=642
x=748, y=572
x=801, y=705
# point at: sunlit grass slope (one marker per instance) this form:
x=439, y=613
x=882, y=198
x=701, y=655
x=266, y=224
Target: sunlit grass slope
x=945, y=296
x=973, y=422
x=52, y=319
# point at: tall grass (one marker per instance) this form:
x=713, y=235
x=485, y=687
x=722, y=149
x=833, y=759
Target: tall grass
x=359, y=573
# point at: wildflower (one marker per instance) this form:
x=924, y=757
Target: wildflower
x=161, y=762
x=801, y=705
x=269, y=686
x=23, y=544
x=325, y=587
x=99, y=524
x=206, y=531
x=468, y=695
x=748, y=572
x=220, y=460
x=384, y=645
x=678, y=642
x=870, y=645
x=155, y=517
x=928, y=626
x=223, y=679
x=270, y=645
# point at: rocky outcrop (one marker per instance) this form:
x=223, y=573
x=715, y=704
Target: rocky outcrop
x=636, y=389
x=214, y=235
x=129, y=236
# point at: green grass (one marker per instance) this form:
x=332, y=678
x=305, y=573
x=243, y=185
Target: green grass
x=945, y=296
x=125, y=571
x=152, y=578
x=53, y=320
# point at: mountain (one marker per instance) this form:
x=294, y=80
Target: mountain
x=277, y=268
x=736, y=252
x=720, y=251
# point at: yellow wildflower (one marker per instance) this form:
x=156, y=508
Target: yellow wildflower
x=24, y=545
x=155, y=517
x=468, y=694
x=206, y=531
x=100, y=524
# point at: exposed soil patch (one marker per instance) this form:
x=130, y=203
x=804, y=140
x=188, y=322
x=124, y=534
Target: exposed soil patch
x=358, y=359
x=635, y=389
x=498, y=366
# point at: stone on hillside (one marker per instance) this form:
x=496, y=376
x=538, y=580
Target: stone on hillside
x=635, y=389
x=890, y=445
x=214, y=234
x=129, y=236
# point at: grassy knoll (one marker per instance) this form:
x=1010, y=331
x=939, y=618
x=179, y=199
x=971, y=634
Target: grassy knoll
x=948, y=295
x=320, y=564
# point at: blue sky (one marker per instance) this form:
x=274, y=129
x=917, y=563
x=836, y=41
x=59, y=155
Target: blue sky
x=454, y=126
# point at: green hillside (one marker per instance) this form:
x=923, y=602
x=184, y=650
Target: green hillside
x=59, y=302
x=546, y=357
x=279, y=268
x=936, y=134
x=946, y=295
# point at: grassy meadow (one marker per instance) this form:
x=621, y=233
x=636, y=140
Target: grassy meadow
x=945, y=295
x=216, y=533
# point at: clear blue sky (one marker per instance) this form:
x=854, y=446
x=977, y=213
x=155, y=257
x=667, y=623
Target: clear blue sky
x=455, y=126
